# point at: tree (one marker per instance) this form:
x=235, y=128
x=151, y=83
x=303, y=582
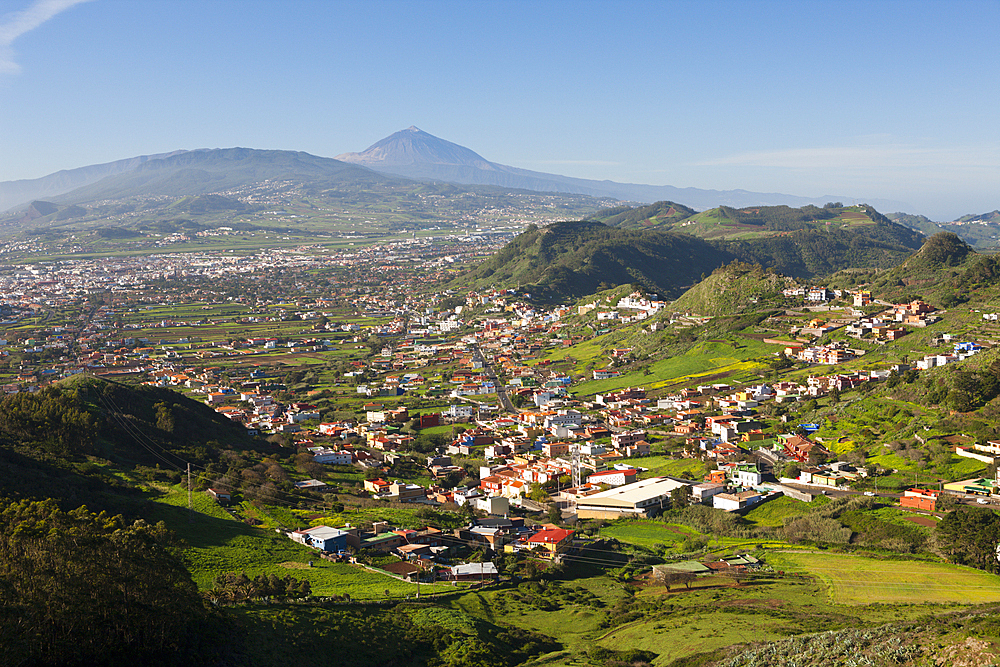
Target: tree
x=555, y=514
x=680, y=497
x=668, y=578
x=538, y=493
x=969, y=536
x=84, y=588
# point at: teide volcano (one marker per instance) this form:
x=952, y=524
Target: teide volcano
x=414, y=153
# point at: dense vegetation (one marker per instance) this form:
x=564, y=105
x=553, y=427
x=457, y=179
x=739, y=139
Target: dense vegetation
x=576, y=258
x=84, y=588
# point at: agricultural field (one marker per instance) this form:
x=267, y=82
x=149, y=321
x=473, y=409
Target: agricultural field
x=710, y=358
x=588, y=612
x=856, y=580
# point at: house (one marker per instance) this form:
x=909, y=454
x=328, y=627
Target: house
x=703, y=492
x=473, y=572
x=731, y=502
x=461, y=411
x=553, y=540
x=327, y=455
x=328, y=539
x=383, y=542
x=219, y=495
x=494, y=505
x=404, y=492
x=310, y=485
x=803, y=449
x=430, y=420
x=614, y=477
x=403, y=570
x=377, y=486
x=748, y=476
x=920, y=499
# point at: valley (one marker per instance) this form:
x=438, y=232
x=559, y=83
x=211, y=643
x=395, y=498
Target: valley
x=826, y=442
x=415, y=422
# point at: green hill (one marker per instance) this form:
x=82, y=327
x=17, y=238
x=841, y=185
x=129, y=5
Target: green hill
x=725, y=222
x=49, y=439
x=735, y=288
x=578, y=258
x=945, y=271
x=572, y=259
x=662, y=213
x=920, y=223
x=981, y=231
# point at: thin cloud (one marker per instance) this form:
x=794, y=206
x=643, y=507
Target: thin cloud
x=586, y=163
x=15, y=24
x=846, y=157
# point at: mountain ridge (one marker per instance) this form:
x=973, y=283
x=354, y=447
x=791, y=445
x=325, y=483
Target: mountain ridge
x=23, y=191
x=445, y=165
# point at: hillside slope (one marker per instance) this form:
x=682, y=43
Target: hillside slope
x=735, y=288
x=47, y=437
x=572, y=259
x=209, y=171
x=944, y=271
x=13, y=193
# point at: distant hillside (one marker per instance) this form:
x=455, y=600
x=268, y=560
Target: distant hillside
x=920, y=223
x=735, y=288
x=725, y=222
x=944, y=272
x=416, y=154
x=208, y=204
x=283, y=191
x=14, y=193
x=40, y=212
x=209, y=171
x=662, y=213
x=993, y=218
x=568, y=260
x=578, y=258
x=981, y=231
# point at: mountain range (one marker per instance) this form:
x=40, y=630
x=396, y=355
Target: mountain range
x=414, y=153
x=410, y=153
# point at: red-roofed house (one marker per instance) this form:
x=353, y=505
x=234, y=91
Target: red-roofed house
x=553, y=540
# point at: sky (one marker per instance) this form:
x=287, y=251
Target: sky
x=877, y=99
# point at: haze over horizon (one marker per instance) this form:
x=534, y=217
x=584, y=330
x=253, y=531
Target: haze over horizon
x=876, y=100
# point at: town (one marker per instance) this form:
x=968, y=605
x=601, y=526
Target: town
x=466, y=402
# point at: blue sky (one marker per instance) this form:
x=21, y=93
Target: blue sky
x=876, y=99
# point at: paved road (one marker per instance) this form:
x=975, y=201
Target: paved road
x=504, y=399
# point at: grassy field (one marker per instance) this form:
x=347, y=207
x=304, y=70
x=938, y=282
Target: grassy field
x=855, y=580
x=691, y=634
x=713, y=613
x=217, y=543
x=774, y=513
x=658, y=466
x=704, y=359
x=648, y=534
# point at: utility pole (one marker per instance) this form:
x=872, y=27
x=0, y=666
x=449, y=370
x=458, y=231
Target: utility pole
x=190, y=504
